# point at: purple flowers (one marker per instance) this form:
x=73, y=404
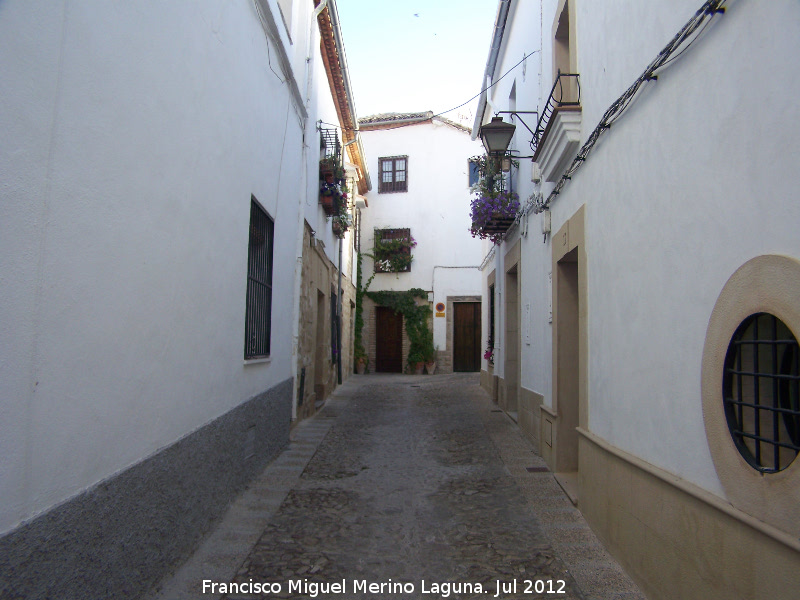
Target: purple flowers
x=490, y=211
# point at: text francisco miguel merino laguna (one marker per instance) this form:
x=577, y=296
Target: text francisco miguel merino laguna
x=443, y=589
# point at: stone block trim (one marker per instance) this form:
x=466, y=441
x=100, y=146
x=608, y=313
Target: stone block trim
x=529, y=414
x=119, y=538
x=631, y=505
x=320, y=276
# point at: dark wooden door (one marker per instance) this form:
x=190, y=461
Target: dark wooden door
x=467, y=336
x=388, y=340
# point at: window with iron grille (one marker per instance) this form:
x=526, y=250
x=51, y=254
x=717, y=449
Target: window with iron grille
x=761, y=392
x=258, y=312
x=392, y=251
x=394, y=174
x=334, y=326
x=491, y=316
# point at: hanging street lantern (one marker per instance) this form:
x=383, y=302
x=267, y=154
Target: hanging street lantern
x=496, y=136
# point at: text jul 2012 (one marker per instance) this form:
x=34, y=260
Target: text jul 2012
x=442, y=589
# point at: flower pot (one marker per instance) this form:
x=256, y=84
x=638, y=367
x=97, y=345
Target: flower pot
x=337, y=229
x=430, y=368
x=418, y=368
x=327, y=204
x=361, y=367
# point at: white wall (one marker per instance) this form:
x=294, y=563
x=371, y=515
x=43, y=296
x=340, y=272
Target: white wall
x=697, y=179
x=134, y=136
x=522, y=39
x=435, y=208
x=694, y=180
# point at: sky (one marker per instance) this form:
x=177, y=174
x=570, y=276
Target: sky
x=414, y=55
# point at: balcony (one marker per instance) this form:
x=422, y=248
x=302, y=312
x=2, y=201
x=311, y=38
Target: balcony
x=558, y=132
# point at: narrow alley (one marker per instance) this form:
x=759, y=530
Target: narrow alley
x=235, y=234
x=418, y=485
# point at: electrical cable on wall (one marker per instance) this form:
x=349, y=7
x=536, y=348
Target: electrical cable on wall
x=682, y=41
x=679, y=44
x=264, y=27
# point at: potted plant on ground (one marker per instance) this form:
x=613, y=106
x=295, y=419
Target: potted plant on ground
x=489, y=354
x=416, y=361
x=362, y=361
x=430, y=356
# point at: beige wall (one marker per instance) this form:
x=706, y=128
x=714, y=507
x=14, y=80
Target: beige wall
x=559, y=444
x=319, y=277
x=649, y=520
x=529, y=414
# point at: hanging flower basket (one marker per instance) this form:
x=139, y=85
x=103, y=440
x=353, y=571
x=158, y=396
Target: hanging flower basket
x=493, y=213
x=338, y=227
x=328, y=204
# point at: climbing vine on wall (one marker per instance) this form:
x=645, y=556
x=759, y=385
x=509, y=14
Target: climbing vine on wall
x=415, y=317
x=359, y=352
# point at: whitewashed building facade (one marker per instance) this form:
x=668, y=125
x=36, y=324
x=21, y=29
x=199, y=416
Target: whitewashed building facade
x=421, y=181
x=634, y=297
x=158, y=169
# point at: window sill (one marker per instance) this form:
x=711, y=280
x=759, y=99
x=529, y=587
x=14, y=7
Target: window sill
x=257, y=361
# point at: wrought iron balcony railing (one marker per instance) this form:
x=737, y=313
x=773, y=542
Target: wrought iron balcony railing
x=329, y=145
x=566, y=91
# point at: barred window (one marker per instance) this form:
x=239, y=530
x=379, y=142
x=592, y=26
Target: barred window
x=761, y=390
x=491, y=315
x=258, y=312
x=394, y=174
x=334, y=326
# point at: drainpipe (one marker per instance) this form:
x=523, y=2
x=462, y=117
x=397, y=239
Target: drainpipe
x=339, y=295
x=491, y=63
x=339, y=317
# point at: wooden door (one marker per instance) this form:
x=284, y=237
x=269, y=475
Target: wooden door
x=467, y=336
x=388, y=340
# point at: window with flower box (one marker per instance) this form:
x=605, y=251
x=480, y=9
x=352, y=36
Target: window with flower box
x=392, y=250
x=394, y=174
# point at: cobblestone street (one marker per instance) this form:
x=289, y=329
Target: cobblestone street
x=419, y=481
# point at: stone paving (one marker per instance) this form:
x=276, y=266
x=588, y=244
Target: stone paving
x=416, y=485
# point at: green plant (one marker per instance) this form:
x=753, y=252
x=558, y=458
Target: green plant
x=342, y=218
x=491, y=202
x=331, y=165
x=393, y=254
x=359, y=351
x=429, y=351
x=415, y=317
